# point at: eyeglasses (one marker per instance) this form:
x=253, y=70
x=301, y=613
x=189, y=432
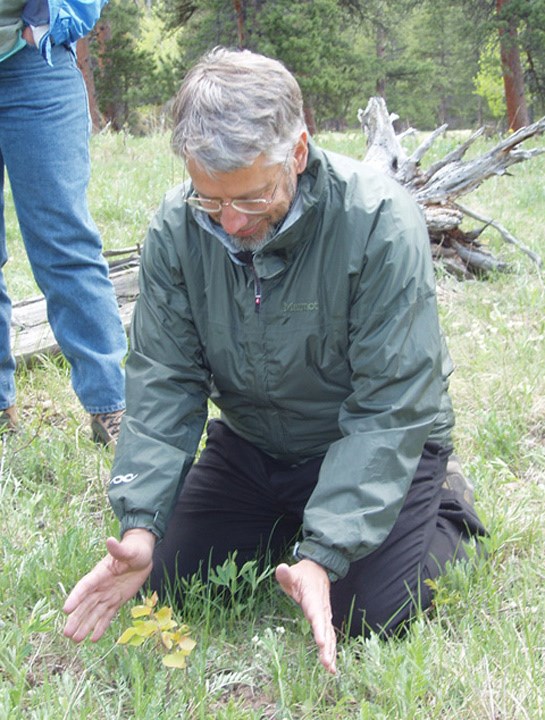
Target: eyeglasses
x=259, y=206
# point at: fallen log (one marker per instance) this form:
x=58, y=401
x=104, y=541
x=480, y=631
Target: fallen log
x=31, y=334
x=438, y=188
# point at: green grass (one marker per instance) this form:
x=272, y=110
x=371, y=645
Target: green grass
x=480, y=656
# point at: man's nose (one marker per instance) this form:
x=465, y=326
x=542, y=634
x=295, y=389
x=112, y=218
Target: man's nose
x=232, y=220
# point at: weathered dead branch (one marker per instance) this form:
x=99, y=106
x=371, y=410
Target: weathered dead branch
x=437, y=188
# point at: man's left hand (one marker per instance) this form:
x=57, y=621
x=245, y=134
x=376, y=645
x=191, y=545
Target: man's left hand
x=307, y=583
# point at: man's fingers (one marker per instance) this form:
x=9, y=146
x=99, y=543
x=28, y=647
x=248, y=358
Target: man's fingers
x=79, y=623
x=284, y=578
x=307, y=585
x=328, y=651
x=84, y=617
x=92, y=615
x=95, y=624
x=79, y=594
x=103, y=623
x=122, y=552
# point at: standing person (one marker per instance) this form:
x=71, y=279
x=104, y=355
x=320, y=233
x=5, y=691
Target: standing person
x=294, y=287
x=44, y=146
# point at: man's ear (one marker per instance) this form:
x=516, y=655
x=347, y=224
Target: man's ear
x=300, y=152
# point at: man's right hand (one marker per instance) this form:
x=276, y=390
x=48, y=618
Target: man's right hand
x=308, y=584
x=115, y=579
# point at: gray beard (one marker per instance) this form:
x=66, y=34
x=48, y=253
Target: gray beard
x=251, y=244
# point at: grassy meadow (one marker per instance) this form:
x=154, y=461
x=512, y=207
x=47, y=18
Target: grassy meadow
x=479, y=656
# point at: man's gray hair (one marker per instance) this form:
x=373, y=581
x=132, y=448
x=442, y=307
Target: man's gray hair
x=234, y=106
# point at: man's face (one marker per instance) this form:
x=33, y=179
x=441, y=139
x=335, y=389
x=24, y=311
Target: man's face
x=259, y=180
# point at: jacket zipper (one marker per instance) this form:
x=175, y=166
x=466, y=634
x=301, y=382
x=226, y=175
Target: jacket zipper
x=257, y=290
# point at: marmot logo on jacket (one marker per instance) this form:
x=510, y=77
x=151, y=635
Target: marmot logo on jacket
x=288, y=307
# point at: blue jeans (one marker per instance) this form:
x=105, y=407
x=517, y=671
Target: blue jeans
x=44, y=145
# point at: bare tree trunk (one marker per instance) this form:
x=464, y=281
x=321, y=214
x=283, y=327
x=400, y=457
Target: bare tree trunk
x=309, y=119
x=103, y=35
x=513, y=78
x=239, y=10
x=84, y=62
x=380, y=84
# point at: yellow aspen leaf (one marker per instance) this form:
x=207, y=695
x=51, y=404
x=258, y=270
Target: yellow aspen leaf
x=164, y=620
x=179, y=635
x=126, y=636
x=140, y=611
x=186, y=644
x=167, y=625
x=164, y=613
x=175, y=660
x=166, y=639
x=137, y=640
x=145, y=628
x=152, y=601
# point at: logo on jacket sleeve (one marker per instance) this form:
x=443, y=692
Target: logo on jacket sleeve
x=119, y=479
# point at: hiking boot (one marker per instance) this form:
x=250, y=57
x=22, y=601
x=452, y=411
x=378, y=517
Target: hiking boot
x=105, y=427
x=8, y=420
x=456, y=481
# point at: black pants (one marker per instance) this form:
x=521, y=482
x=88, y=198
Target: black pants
x=237, y=498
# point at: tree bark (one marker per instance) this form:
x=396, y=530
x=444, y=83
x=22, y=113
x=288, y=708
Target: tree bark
x=513, y=76
x=84, y=62
x=239, y=11
x=310, y=120
x=103, y=35
x=380, y=84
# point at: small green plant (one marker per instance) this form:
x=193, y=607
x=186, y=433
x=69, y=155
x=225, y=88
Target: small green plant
x=158, y=623
x=240, y=582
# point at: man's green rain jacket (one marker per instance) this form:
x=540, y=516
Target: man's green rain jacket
x=328, y=345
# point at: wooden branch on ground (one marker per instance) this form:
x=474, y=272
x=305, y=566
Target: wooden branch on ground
x=31, y=335
x=437, y=188
x=506, y=235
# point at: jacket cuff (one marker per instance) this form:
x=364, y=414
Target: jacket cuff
x=143, y=520
x=333, y=561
